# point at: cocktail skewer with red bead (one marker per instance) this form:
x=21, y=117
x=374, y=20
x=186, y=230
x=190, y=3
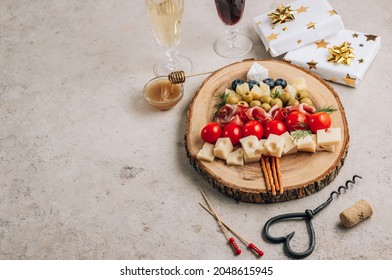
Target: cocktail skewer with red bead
x=231, y=240
x=251, y=246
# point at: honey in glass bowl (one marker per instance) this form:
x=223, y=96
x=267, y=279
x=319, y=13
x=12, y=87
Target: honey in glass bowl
x=162, y=94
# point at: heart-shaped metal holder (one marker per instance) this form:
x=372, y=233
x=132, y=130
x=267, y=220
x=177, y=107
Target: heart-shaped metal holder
x=307, y=216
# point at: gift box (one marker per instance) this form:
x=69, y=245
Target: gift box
x=342, y=58
x=296, y=24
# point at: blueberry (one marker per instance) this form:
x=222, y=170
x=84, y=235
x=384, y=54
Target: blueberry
x=270, y=82
x=235, y=83
x=281, y=82
x=251, y=83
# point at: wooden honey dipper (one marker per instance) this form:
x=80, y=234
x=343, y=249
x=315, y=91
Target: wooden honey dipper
x=178, y=77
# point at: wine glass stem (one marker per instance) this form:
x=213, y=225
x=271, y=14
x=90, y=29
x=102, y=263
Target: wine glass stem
x=172, y=59
x=231, y=39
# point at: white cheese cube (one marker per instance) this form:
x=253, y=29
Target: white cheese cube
x=265, y=89
x=329, y=137
x=256, y=92
x=206, y=153
x=253, y=148
x=223, y=147
x=292, y=90
x=274, y=145
x=257, y=72
x=319, y=148
x=236, y=157
x=242, y=88
x=289, y=146
x=306, y=144
x=299, y=83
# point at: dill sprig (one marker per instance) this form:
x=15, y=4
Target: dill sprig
x=276, y=92
x=329, y=109
x=298, y=134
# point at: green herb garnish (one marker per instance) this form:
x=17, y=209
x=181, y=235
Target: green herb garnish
x=221, y=101
x=298, y=134
x=329, y=109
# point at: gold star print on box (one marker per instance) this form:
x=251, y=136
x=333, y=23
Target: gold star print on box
x=349, y=80
x=322, y=44
x=302, y=9
x=311, y=25
x=272, y=36
x=332, y=12
x=370, y=37
x=312, y=64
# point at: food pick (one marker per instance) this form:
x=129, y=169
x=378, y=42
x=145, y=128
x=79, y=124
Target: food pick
x=251, y=246
x=231, y=240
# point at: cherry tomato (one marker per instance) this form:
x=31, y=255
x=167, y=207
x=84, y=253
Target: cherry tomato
x=296, y=121
x=252, y=128
x=320, y=120
x=233, y=131
x=211, y=132
x=275, y=127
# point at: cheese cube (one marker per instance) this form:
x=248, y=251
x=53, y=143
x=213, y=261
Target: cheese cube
x=319, y=148
x=265, y=88
x=242, y=88
x=329, y=137
x=274, y=145
x=299, y=83
x=292, y=90
x=223, y=147
x=206, y=153
x=289, y=146
x=306, y=144
x=253, y=148
x=257, y=72
x=256, y=92
x=236, y=157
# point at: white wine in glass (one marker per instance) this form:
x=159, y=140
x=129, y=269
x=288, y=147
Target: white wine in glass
x=234, y=44
x=166, y=20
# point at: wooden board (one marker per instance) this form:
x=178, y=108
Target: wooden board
x=302, y=173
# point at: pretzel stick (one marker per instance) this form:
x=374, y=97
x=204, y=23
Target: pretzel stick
x=270, y=176
x=277, y=162
x=265, y=173
x=274, y=173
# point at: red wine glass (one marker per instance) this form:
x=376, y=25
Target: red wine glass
x=233, y=44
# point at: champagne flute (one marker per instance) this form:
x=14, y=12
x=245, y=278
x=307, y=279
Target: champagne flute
x=165, y=18
x=234, y=44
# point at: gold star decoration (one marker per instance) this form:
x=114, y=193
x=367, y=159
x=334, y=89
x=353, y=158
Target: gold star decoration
x=299, y=41
x=361, y=60
x=332, y=12
x=370, y=37
x=322, y=44
x=281, y=14
x=302, y=9
x=341, y=54
x=312, y=64
x=272, y=36
x=334, y=79
x=355, y=35
x=285, y=28
x=361, y=45
x=349, y=80
x=311, y=25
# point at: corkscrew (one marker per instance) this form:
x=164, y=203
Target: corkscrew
x=307, y=216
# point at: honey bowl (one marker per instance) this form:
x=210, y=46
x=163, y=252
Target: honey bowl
x=160, y=93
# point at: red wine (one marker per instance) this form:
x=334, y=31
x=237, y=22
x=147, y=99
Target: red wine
x=230, y=11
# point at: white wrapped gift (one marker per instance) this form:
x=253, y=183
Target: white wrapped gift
x=313, y=21
x=315, y=56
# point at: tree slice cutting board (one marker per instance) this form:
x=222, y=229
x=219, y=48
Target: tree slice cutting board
x=302, y=173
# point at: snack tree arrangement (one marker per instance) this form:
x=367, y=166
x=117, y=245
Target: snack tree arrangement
x=268, y=135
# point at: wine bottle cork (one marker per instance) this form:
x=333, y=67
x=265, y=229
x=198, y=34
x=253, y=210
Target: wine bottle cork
x=356, y=213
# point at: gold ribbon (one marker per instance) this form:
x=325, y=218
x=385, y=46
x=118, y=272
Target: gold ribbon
x=281, y=14
x=341, y=54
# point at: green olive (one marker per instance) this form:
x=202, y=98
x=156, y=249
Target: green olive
x=307, y=100
x=255, y=103
x=285, y=96
x=292, y=102
x=266, y=106
x=303, y=93
x=243, y=103
x=232, y=99
x=265, y=99
x=276, y=101
x=247, y=97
